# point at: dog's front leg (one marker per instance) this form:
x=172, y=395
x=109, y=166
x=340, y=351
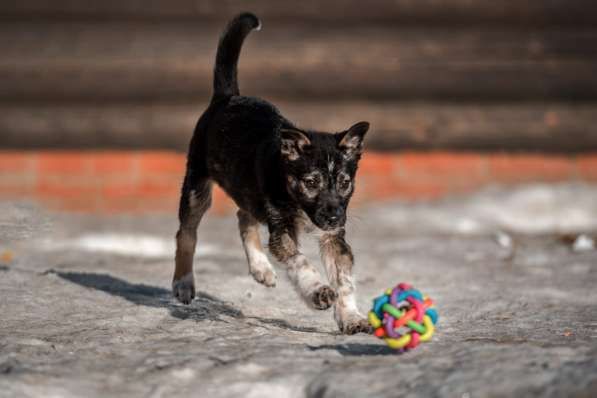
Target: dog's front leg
x=306, y=279
x=337, y=257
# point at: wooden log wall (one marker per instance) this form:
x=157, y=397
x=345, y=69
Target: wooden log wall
x=428, y=74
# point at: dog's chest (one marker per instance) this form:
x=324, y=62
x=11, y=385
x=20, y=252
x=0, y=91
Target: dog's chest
x=305, y=225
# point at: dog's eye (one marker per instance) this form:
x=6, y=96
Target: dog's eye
x=344, y=184
x=311, y=183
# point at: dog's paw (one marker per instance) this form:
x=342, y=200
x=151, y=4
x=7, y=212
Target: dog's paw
x=184, y=289
x=355, y=325
x=265, y=276
x=323, y=297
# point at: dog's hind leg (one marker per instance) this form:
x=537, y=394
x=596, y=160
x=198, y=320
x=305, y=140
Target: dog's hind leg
x=259, y=265
x=194, y=202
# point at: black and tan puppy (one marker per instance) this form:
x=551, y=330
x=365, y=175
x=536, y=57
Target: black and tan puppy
x=290, y=179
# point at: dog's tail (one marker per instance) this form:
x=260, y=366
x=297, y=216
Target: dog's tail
x=225, y=82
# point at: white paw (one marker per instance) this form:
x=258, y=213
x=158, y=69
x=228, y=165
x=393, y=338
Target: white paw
x=353, y=324
x=264, y=273
x=184, y=289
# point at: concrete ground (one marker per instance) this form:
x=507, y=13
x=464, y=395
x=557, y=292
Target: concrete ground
x=86, y=307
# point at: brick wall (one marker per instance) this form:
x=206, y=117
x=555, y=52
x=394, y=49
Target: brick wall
x=149, y=181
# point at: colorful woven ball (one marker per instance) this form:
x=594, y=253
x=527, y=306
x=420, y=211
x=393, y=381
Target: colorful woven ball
x=403, y=317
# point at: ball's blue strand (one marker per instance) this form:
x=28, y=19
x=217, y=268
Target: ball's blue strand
x=432, y=314
x=410, y=293
x=378, y=303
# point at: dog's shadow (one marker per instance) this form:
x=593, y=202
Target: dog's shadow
x=204, y=307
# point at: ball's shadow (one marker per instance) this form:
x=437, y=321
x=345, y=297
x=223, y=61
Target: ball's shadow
x=356, y=349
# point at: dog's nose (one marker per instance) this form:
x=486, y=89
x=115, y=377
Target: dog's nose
x=334, y=213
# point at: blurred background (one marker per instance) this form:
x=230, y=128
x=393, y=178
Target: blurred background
x=98, y=100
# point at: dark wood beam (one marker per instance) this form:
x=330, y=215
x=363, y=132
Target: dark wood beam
x=503, y=12
x=142, y=61
x=547, y=127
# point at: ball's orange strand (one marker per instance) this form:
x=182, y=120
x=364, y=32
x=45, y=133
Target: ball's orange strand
x=410, y=314
x=380, y=332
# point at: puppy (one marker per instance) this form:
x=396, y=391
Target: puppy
x=290, y=179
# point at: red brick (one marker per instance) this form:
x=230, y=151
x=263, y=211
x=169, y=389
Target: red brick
x=66, y=189
x=374, y=189
x=82, y=204
x=530, y=167
x=13, y=189
x=141, y=206
x=422, y=191
x=439, y=166
x=373, y=163
x=221, y=203
x=120, y=206
x=63, y=163
x=158, y=187
x=120, y=163
x=12, y=162
x=587, y=167
x=150, y=182
x=162, y=162
x=118, y=190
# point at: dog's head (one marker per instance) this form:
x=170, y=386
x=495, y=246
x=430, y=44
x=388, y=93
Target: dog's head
x=320, y=171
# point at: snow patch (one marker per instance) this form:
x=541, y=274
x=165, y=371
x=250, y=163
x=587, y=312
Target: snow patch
x=184, y=374
x=583, y=243
x=531, y=209
x=145, y=246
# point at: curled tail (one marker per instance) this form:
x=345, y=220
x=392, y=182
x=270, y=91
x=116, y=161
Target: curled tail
x=225, y=82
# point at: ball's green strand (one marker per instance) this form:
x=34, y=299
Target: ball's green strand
x=390, y=309
x=416, y=327
x=396, y=313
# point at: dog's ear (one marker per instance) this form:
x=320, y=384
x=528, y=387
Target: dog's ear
x=294, y=142
x=350, y=141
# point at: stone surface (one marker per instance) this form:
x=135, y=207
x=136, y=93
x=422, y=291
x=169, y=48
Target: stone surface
x=86, y=308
